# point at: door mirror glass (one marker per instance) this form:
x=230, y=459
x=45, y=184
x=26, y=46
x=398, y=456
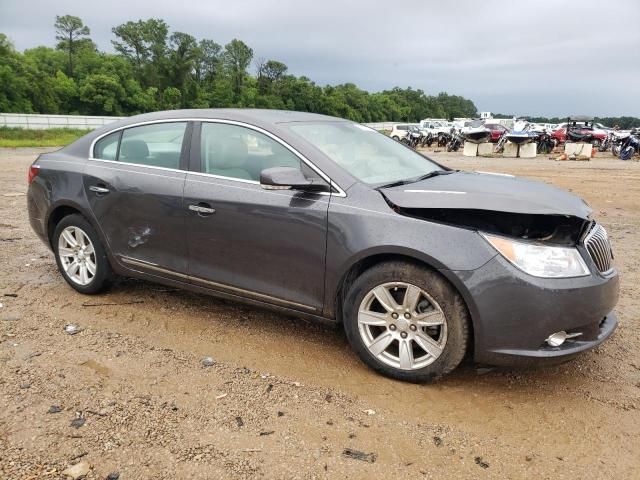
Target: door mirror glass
x=287, y=178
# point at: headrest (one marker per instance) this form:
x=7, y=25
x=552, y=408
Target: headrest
x=134, y=149
x=228, y=153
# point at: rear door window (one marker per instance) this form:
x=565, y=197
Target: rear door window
x=157, y=145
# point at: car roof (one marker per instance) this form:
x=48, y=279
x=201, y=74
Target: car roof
x=248, y=115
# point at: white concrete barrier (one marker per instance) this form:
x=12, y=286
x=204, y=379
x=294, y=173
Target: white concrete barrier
x=485, y=149
x=510, y=150
x=528, y=150
x=578, y=149
x=37, y=121
x=42, y=122
x=470, y=149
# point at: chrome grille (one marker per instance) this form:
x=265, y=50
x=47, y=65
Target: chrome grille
x=599, y=248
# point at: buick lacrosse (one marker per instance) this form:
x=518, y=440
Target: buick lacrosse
x=324, y=218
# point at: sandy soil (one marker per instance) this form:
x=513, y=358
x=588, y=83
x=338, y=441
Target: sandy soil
x=285, y=398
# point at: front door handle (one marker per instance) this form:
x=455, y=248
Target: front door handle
x=202, y=209
x=99, y=190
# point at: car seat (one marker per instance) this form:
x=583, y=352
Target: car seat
x=227, y=157
x=134, y=150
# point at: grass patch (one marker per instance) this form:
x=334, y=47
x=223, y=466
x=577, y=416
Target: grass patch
x=53, y=137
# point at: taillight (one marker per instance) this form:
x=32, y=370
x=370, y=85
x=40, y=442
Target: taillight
x=33, y=173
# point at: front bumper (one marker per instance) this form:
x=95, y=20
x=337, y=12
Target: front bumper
x=514, y=313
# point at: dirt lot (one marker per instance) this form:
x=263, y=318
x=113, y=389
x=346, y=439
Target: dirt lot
x=285, y=398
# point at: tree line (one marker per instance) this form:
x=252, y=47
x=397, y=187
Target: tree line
x=155, y=69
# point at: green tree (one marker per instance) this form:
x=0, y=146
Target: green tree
x=207, y=61
x=237, y=57
x=144, y=44
x=70, y=32
x=183, y=51
x=171, y=98
x=14, y=87
x=102, y=94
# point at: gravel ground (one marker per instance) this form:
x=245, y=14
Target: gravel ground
x=284, y=398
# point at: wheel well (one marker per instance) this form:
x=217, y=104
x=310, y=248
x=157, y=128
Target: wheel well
x=366, y=263
x=54, y=218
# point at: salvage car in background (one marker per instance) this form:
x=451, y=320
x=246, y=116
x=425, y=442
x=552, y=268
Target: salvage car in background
x=497, y=131
x=324, y=218
x=399, y=131
x=581, y=126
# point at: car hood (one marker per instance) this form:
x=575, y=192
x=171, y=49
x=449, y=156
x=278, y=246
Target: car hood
x=487, y=191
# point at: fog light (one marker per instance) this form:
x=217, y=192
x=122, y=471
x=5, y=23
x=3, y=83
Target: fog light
x=557, y=339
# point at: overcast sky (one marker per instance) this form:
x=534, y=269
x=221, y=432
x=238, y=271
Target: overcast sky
x=521, y=57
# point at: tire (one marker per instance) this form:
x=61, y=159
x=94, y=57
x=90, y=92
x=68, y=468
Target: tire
x=596, y=143
x=615, y=150
x=92, y=282
x=396, y=138
x=437, y=301
x=627, y=153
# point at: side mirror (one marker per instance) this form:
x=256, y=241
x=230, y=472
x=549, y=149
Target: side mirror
x=288, y=178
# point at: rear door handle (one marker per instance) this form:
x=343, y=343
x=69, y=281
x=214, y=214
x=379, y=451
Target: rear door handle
x=99, y=190
x=202, y=209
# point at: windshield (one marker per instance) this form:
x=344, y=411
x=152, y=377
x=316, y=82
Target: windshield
x=369, y=156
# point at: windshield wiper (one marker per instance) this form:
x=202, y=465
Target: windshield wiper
x=435, y=173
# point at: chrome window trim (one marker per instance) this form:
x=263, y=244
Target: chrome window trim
x=134, y=262
x=340, y=192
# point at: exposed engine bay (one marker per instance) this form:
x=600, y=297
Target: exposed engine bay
x=562, y=230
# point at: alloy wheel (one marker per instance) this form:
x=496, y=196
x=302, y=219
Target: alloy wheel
x=77, y=255
x=402, y=326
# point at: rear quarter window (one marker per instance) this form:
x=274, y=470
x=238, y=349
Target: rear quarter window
x=107, y=147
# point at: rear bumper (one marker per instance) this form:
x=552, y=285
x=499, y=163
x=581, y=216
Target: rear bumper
x=37, y=210
x=514, y=313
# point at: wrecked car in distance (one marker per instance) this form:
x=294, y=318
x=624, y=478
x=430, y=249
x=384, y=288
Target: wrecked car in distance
x=323, y=218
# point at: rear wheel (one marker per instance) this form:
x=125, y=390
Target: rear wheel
x=615, y=150
x=80, y=256
x=406, y=322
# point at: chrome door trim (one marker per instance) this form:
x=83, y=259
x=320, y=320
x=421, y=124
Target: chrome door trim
x=325, y=177
x=152, y=266
x=203, y=282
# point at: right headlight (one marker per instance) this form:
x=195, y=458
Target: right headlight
x=540, y=260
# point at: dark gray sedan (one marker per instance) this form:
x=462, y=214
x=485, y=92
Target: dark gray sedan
x=324, y=218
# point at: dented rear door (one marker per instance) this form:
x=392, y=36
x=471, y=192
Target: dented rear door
x=138, y=207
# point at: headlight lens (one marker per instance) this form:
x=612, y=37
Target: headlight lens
x=540, y=260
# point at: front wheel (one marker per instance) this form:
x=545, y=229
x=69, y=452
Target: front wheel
x=627, y=153
x=406, y=322
x=81, y=259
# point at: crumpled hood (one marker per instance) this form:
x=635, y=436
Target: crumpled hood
x=486, y=191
